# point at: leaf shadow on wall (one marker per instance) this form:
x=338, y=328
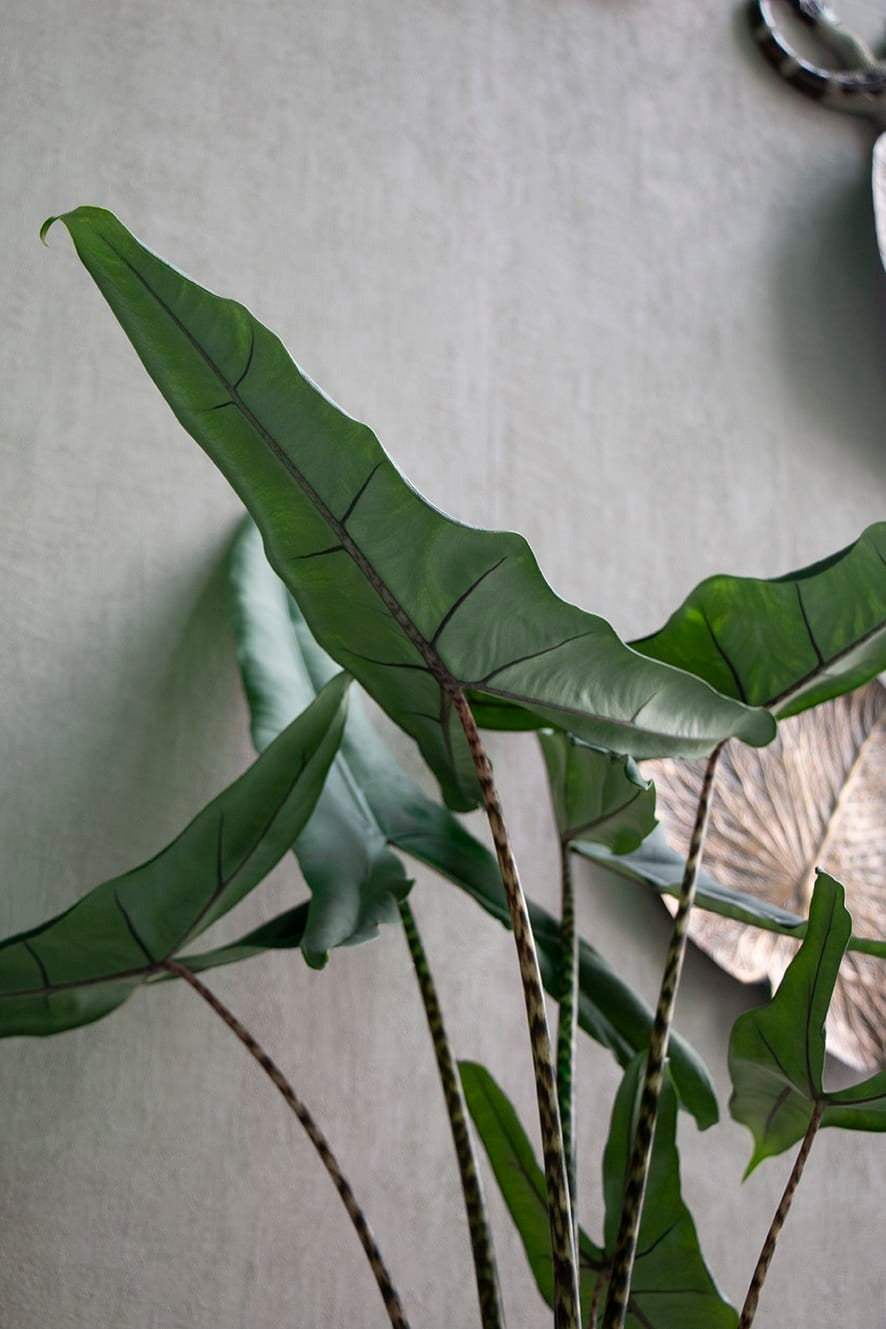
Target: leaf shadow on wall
x=122, y=752
x=831, y=302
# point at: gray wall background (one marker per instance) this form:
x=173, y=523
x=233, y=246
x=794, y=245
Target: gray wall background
x=592, y=274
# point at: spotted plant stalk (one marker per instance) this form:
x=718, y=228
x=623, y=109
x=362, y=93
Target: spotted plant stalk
x=563, y=1251
x=749, y=1309
x=566, y=1022
x=641, y=1153
x=488, y=1290
x=389, y=1294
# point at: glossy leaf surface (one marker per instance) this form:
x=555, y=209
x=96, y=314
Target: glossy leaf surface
x=789, y=642
x=672, y=1288
x=659, y=866
x=597, y=795
x=85, y=962
x=374, y=795
x=412, y=603
x=776, y=1053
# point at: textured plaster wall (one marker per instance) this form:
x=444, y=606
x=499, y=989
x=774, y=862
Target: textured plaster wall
x=592, y=274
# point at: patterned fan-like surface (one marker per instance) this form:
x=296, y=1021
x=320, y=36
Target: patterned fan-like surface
x=815, y=798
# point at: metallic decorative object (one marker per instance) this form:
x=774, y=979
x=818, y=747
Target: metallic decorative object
x=815, y=798
x=859, y=86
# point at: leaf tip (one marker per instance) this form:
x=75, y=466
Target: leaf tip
x=46, y=227
x=755, y=1160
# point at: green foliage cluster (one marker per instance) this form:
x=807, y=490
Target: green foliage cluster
x=364, y=579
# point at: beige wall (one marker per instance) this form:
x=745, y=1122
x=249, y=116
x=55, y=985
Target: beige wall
x=592, y=274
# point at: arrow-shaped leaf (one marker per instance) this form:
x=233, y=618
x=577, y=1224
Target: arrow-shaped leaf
x=776, y=1053
x=598, y=795
x=789, y=642
x=660, y=867
x=85, y=962
x=414, y=604
x=374, y=797
x=672, y=1288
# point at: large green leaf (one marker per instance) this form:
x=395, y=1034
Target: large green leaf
x=671, y=1288
x=776, y=1053
x=598, y=795
x=373, y=796
x=789, y=642
x=82, y=964
x=412, y=603
x=659, y=866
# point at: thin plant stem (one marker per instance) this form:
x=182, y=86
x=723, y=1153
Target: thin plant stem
x=563, y=1250
x=641, y=1152
x=492, y=1314
x=594, y=1309
x=749, y=1308
x=567, y=990
x=389, y=1294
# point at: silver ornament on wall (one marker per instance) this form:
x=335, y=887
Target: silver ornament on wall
x=816, y=797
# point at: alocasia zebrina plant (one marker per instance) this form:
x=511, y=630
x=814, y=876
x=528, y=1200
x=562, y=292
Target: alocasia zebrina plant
x=453, y=629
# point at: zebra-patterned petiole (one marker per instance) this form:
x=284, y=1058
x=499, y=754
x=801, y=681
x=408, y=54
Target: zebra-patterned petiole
x=641, y=1153
x=389, y=1294
x=567, y=1314
x=492, y=1314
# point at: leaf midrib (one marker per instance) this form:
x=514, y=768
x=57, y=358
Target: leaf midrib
x=350, y=546
x=628, y=726
x=222, y=884
x=448, y=682
x=796, y=689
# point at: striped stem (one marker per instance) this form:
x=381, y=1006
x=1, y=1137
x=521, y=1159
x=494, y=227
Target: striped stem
x=563, y=1251
x=492, y=1314
x=641, y=1153
x=567, y=989
x=749, y=1308
x=392, y=1302
x=594, y=1309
